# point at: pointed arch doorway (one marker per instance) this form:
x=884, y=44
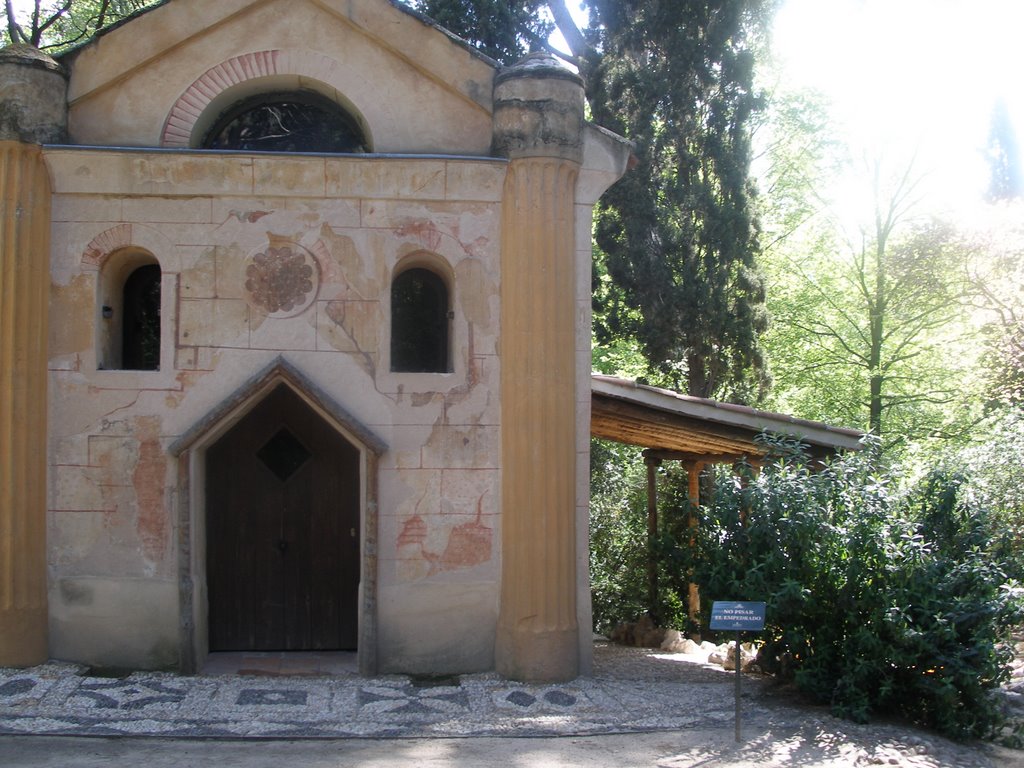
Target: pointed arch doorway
x=282, y=531
x=295, y=404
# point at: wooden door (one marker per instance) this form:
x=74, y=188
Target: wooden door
x=282, y=532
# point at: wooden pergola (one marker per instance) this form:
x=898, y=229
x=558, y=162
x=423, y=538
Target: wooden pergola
x=696, y=432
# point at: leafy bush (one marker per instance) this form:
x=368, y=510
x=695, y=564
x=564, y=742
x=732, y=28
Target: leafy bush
x=619, y=550
x=618, y=535
x=878, y=602
x=993, y=464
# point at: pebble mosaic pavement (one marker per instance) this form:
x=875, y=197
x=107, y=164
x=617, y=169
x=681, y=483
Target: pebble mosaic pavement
x=631, y=690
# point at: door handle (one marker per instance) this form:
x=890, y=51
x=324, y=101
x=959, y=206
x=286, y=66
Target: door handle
x=282, y=545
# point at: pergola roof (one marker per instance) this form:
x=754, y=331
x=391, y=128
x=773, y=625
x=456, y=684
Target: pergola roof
x=676, y=426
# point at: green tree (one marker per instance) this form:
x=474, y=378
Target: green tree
x=996, y=281
x=871, y=329
x=676, y=270
x=677, y=234
x=53, y=25
x=505, y=30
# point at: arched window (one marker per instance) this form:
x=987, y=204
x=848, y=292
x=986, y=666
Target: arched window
x=419, y=322
x=140, y=330
x=286, y=121
x=129, y=318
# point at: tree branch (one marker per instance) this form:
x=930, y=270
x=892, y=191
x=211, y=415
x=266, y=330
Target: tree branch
x=14, y=29
x=573, y=37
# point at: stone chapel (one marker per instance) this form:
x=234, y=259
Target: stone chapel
x=295, y=344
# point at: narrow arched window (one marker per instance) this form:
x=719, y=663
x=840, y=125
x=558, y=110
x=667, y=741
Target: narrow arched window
x=140, y=329
x=419, y=322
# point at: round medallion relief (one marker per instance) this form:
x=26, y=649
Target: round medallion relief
x=283, y=280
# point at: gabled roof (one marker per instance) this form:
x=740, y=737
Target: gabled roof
x=682, y=427
x=423, y=18
x=419, y=89
x=245, y=397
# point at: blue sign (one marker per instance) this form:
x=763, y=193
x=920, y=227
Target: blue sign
x=736, y=615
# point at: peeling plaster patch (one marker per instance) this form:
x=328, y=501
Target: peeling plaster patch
x=414, y=532
x=465, y=545
x=475, y=293
x=70, y=305
x=185, y=380
x=199, y=280
x=353, y=329
x=422, y=230
x=246, y=217
x=149, y=480
x=346, y=264
x=159, y=174
x=76, y=593
x=469, y=544
x=230, y=262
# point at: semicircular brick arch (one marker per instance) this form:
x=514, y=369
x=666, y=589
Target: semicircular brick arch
x=189, y=107
x=105, y=243
x=129, y=235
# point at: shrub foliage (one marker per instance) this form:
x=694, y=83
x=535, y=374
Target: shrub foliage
x=878, y=602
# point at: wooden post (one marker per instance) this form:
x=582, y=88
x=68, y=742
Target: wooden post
x=693, y=470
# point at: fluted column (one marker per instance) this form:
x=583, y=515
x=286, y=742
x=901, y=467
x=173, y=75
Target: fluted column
x=33, y=111
x=24, y=295
x=538, y=125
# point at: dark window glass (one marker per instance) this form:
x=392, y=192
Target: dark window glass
x=419, y=322
x=300, y=121
x=140, y=349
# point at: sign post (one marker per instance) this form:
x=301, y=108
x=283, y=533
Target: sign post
x=737, y=616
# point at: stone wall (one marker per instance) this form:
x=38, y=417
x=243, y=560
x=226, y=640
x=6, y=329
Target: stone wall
x=219, y=226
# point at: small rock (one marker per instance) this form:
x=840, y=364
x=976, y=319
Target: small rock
x=672, y=636
x=691, y=647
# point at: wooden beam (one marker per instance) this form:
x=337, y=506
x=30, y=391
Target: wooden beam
x=704, y=458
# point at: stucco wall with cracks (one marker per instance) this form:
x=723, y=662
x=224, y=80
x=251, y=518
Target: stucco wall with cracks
x=255, y=265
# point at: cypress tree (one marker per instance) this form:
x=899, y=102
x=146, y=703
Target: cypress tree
x=505, y=30
x=678, y=233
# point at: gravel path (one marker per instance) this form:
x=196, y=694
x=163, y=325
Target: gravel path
x=632, y=691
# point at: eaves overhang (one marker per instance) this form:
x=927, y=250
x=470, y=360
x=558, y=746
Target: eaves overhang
x=683, y=427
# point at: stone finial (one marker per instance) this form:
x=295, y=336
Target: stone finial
x=33, y=96
x=538, y=110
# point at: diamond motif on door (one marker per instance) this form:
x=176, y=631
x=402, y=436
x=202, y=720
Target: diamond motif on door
x=283, y=454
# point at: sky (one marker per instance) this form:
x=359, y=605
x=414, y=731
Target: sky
x=911, y=76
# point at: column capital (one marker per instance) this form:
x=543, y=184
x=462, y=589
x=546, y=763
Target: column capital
x=33, y=96
x=538, y=110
